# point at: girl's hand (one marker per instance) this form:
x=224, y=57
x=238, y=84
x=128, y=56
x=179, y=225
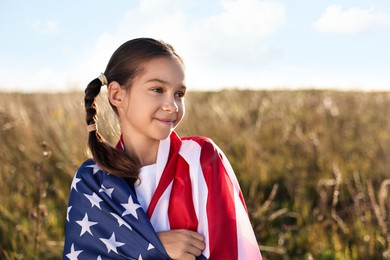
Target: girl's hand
x=182, y=243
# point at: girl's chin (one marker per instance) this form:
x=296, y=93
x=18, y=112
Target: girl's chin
x=165, y=135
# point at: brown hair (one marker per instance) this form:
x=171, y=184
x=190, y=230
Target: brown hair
x=125, y=64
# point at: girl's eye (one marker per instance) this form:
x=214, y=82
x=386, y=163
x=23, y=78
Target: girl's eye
x=180, y=94
x=158, y=90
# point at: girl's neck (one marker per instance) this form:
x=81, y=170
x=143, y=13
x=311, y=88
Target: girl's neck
x=144, y=150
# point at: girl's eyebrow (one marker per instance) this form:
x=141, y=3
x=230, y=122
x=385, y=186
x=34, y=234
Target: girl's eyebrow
x=163, y=82
x=158, y=80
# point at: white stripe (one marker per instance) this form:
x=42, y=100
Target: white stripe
x=247, y=244
x=159, y=218
x=190, y=151
x=162, y=157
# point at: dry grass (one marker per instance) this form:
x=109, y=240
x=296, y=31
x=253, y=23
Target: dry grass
x=313, y=166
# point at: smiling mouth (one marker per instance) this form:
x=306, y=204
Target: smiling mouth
x=166, y=121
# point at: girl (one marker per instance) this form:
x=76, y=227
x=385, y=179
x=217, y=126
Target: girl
x=156, y=195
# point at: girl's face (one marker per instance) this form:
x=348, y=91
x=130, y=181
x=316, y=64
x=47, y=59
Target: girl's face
x=154, y=105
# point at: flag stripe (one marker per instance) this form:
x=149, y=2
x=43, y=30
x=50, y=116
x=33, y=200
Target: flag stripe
x=220, y=205
x=190, y=151
x=232, y=177
x=181, y=210
x=198, y=190
x=167, y=176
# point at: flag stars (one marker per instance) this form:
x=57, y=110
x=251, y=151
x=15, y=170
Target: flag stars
x=107, y=191
x=95, y=168
x=74, y=182
x=94, y=199
x=130, y=208
x=150, y=247
x=67, y=213
x=86, y=225
x=121, y=221
x=111, y=243
x=73, y=255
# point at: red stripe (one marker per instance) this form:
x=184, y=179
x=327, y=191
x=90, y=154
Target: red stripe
x=181, y=211
x=221, y=212
x=243, y=201
x=120, y=145
x=167, y=175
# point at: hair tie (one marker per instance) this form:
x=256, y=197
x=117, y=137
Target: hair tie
x=91, y=128
x=103, y=79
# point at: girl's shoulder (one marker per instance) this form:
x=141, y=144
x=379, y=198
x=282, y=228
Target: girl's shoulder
x=92, y=175
x=200, y=140
x=89, y=168
x=89, y=165
x=204, y=144
x=87, y=162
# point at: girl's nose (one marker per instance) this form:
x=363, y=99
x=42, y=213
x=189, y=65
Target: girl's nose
x=170, y=105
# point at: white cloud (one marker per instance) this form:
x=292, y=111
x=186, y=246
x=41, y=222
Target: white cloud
x=254, y=18
x=351, y=21
x=237, y=34
x=233, y=37
x=47, y=27
x=94, y=60
x=296, y=77
x=45, y=80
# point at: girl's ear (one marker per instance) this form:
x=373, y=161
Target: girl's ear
x=116, y=93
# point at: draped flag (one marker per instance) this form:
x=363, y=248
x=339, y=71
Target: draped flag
x=196, y=190
x=105, y=221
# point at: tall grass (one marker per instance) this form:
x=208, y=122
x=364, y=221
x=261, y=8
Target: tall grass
x=314, y=167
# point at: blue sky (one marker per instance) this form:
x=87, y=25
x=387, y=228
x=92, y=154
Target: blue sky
x=271, y=44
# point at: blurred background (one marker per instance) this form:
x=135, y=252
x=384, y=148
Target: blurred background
x=296, y=93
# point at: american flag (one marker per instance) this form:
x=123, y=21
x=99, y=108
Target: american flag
x=196, y=190
x=105, y=221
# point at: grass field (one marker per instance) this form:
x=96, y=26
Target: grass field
x=314, y=167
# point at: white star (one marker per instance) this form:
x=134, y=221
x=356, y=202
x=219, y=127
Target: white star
x=140, y=257
x=95, y=167
x=111, y=244
x=99, y=257
x=85, y=225
x=67, y=213
x=74, y=182
x=106, y=191
x=94, y=199
x=131, y=208
x=121, y=221
x=73, y=254
x=150, y=247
